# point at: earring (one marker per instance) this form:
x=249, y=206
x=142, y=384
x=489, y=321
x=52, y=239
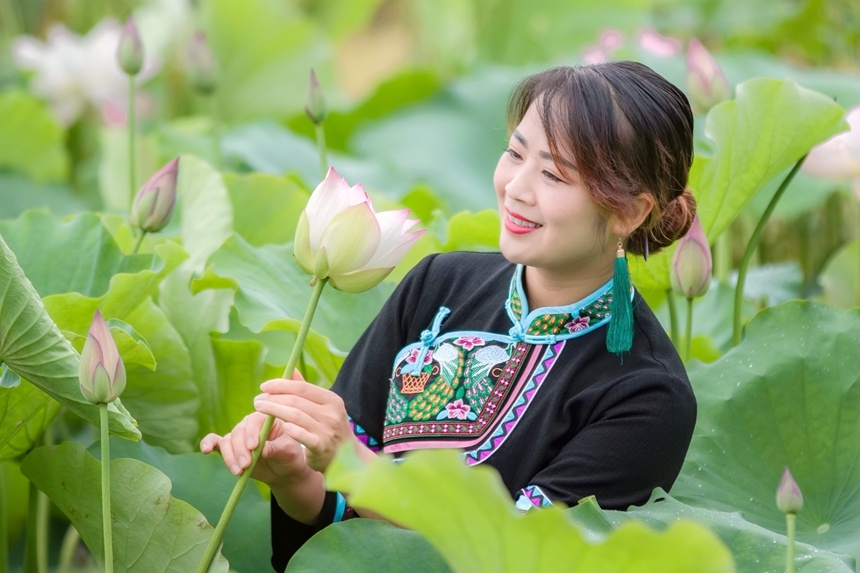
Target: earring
x=645, y=256
x=619, y=337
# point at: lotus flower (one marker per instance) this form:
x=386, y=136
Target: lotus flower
x=340, y=237
x=609, y=42
x=706, y=83
x=129, y=52
x=102, y=373
x=315, y=107
x=655, y=43
x=202, y=66
x=71, y=72
x=789, y=499
x=153, y=204
x=692, y=263
x=838, y=158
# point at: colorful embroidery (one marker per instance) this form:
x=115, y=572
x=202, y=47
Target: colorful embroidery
x=363, y=436
x=469, y=342
x=577, y=324
x=457, y=410
x=535, y=496
x=520, y=405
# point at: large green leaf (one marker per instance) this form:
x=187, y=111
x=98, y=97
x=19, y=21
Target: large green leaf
x=367, y=546
x=469, y=517
x=271, y=287
x=266, y=208
x=754, y=548
x=758, y=135
x=206, y=215
x=31, y=140
x=152, y=531
x=33, y=347
x=247, y=538
x=788, y=395
x=19, y=194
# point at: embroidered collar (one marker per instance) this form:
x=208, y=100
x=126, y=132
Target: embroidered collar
x=549, y=324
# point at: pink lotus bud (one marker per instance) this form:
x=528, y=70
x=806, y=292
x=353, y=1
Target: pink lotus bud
x=341, y=237
x=788, y=496
x=691, y=265
x=315, y=106
x=655, y=43
x=838, y=158
x=706, y=84
x=102, y=373
x=153, y=204
x=130, y=49
x=202, y=66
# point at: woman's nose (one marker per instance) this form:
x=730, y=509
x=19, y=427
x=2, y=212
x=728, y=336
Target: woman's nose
x=519, y=187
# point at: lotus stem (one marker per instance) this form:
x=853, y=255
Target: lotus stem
x=233, y=501
x=751, y=248
x=673, y=317
x=791, y=526
x=67, y=549
x=320, y=132
x=4, y=531
x=105, y=465
x=139, y=242
x=36, y=555
x=689, y=336
x=131, y=137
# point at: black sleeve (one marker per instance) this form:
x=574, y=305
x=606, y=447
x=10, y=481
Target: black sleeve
x=637, y=442
x=363, y=383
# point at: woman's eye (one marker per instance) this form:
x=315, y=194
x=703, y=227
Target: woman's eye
x=513, y=154
x=551, y=177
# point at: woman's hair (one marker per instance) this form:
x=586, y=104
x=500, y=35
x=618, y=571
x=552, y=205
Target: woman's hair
x=628, y=130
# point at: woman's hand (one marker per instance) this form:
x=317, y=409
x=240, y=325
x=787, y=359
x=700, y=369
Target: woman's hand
x=310, y=415
x=282, y=458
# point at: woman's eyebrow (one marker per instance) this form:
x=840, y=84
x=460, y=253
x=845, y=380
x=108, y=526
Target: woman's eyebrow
x=542, y=154
x=519, y=137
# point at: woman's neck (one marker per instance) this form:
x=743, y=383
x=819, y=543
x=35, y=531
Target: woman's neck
x=545, y=288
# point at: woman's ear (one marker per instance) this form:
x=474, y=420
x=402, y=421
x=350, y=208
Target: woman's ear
x=643, y=204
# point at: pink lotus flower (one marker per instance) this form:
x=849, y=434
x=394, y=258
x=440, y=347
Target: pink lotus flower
x=153, y=204
x=102, y=372
x=652, y=41
x=469, y=342
x=691, y=265
x=340, y=237
x=706, y=84
x=838, y=158
x=789, y=499
x=457, y=410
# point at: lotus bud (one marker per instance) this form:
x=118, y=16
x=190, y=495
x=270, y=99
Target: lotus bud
x=102, y=373
x=130, y=49
x=153, y=204
x=202, y=66
x=692, y=263
x=706, y=83
x=341, y=238
x=315, y=106
x=788, y=496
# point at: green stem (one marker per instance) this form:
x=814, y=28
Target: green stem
x=36, y=555
x=139, y=242
x=67, y=549
x=673, y=317
x=216, y=131
x=689, y=336
x=751, y=248
x=723, y=264
x=4, y=532
x=131, y=139
x=857, y=278
x=105, y=465
x=790, y=522
x=218, y=534
x=320, y=131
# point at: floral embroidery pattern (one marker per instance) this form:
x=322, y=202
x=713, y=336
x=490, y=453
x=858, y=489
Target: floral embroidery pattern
x=457, y=410
x=413, y=356
x=469, y=342
x=577, y=324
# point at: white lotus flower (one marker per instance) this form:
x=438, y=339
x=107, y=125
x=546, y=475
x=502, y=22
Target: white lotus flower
x=340, y=237
x=838, y=158
x=72, y=71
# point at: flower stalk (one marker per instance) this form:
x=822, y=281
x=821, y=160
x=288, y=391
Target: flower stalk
x=689, y=334
x=751, y=247
x=107, y=531
x=233, y=501
x=673, y=318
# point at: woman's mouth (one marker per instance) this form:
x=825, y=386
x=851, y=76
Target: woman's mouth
x=519, y=225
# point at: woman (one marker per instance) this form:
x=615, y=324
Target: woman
x=523, y=359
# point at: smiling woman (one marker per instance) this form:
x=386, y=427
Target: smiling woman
x=507, y=356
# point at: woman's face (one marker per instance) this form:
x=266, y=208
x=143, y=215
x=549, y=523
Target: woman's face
x=549, y=219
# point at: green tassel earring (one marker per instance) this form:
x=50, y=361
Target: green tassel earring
x=619, y=338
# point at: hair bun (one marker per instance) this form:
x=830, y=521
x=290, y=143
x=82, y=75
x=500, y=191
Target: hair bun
x=674, y=222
